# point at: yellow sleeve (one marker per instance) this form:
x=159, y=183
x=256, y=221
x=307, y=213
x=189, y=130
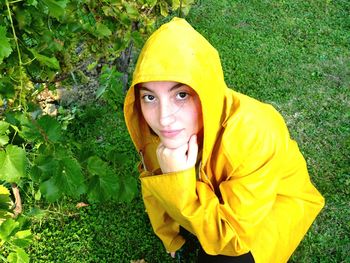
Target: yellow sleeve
x=163, y=225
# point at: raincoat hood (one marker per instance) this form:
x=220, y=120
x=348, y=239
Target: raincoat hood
x=177, y=52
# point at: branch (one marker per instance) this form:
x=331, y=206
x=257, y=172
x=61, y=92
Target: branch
x=18, y=200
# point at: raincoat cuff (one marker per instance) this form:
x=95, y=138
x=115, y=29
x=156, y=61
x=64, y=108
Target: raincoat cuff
x=174, y=190
x=176, y=244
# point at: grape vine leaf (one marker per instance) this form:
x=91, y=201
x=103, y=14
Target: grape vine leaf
x=3, y=127
x=67, y=179
x=23, y=238
x=4, y=139
x=50, y=190
x=7, y=228
x=32, y=2
x=71, y=181
x=51, y=127
x=12, y=163
x=46, y=128
x=5, y=47
x=104, y=184
x=29, y=131
x=5, y=202
x=128, y=189
x=20, y=256
x=56, y=8
x=102, y=30
x=163, y=9
x=131, y=11
x=151, y=3
x=46, y=61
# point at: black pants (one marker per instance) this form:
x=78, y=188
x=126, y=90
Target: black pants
x=188, y=253
x=205, y=258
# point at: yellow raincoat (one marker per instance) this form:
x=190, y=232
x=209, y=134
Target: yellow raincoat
x=253, y=192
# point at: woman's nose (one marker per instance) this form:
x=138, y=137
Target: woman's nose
x=166, y=115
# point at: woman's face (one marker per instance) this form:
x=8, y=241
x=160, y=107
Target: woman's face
x=172, y=110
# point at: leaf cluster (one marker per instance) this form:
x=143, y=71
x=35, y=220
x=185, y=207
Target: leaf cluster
x=54, y=171
x=14, y=236
x=44, y=41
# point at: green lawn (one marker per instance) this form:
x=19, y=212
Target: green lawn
x=292, y=54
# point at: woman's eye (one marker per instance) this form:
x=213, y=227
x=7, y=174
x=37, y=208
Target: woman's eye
x=182, y=95
x=148, y=98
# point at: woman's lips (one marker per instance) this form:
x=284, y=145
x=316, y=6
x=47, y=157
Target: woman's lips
x=170, y=133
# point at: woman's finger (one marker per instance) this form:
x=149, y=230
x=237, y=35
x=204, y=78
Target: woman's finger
x=192, y=151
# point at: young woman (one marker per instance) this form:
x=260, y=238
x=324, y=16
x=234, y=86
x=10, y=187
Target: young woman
x=215, y=162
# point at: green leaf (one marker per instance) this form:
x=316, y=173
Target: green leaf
x=5, y=202
x=46, y=61
x=8, y=228
x=102, y=30
x=37, y=213
x=109, y=80
x=44, y=129
x=74, y=179
x=64, y=173
x=131, y=10
x=32, y=2
x=175, y=4
x=116, y=157
x=128, y=189
x=137, y=37
x=68, y=179
x=51, y=127
x=21, y=242
x=104, y=184
x=4, y=127
x=12, y=164
x=20, y=256
x=56, y=8
x=37, y=195
x=108, y=11
x=102, y=188
x=29, y=131
x=24, y=18
x=151, y=3
x=50, y=190
x=100, y=91
x=23, y=234
x=96, y=166
x=5, y=47
x=163, y=9
x=7, y=88
x=4, y=196
x=4, y=139
x=22, y=238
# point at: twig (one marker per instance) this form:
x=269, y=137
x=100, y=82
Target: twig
x=18, y=200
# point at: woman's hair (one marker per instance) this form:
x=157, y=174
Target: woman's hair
x=137, y=106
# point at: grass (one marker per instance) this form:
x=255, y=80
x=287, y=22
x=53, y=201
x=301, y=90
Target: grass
x=292, y=54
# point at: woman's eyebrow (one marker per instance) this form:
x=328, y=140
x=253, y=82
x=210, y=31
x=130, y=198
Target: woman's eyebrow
x=176, y=86
x=144, y=88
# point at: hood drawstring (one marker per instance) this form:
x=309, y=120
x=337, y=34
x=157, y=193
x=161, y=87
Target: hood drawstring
x=142, y=161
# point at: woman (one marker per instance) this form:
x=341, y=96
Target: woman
x=215, y=162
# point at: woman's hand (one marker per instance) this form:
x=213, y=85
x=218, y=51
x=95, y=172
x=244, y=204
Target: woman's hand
x=178, y=159
x=172, y=254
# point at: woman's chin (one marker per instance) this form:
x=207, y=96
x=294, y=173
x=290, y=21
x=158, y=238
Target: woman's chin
x=173, y=144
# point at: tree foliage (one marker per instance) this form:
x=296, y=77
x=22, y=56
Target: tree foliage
x=43, y=43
